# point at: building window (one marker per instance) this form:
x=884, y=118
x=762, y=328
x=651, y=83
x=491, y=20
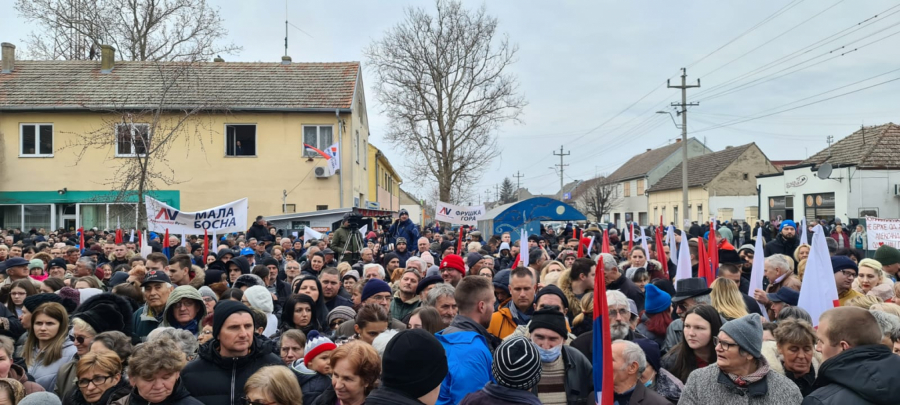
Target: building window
x=640, y=187
x=746, y=176
x=655, y=213
x=36, y=140
x=627, y=191
x=132, y=140
x=356, y=146
x=700, y=213
x=819, y=206
x=365, y=153
x=317, y=136
x=675, y=214
x=108, y=216
x=299, y=224
x=321, y=207
x=240, y=140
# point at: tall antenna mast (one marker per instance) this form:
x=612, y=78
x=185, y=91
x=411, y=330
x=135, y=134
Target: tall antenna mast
x=285, y=27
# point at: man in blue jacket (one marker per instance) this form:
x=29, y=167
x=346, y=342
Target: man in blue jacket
x=406, y=229
x=467, y=341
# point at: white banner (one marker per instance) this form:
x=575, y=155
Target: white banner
x=882, y=231
x=311, y=233
x=458, y=214
x=231, y=217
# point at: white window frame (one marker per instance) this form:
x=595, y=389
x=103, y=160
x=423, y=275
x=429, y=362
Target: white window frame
x=318, y=145
x=357, y=146
x=365, y=154
x=132, y=154
x=255, y=140
x=37, y=140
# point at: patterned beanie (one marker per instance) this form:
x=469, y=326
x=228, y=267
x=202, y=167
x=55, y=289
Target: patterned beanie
x=316, y=344
x=517, y=364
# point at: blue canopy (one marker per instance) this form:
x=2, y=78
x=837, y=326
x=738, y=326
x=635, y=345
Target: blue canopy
x=528, y=214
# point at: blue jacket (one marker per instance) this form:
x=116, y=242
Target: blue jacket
x=469, y=361
x=406, y=229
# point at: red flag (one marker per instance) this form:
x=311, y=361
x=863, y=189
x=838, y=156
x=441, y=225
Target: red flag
x=81, y=238
x=516, y=263
x=660, y=252
x=602, y=347
x=703, y=262
x=459, y=245
x=139, y=236
x=631, y=238
x=605, y=247
x=713, y=253
x=205, y=244
x=119, y=236
x=577, y=235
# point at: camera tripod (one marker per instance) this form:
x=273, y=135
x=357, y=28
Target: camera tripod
x=354, y=235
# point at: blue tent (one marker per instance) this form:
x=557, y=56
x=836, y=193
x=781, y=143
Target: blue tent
x=528, y=213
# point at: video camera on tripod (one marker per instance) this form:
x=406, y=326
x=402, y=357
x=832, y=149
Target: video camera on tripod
x=357, y=219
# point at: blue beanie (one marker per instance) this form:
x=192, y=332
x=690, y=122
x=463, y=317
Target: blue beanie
x=787, y=222
x=656, y=300
x=372, y=287
x=840, y=263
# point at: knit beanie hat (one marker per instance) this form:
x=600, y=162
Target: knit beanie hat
x=787, y=222
x=372, y=287
x=260, y=298
x=552, y=289
x=887, y=255
x=316, y=344
x=444, y=246
x=208, y=292
x=351, y=273
x=651, y=352
x=212, y=277
x=32, y=302
x=504, y=246
x=550, y=319
x=248, y=280
x=270, y=261
x=839, y=263
x=454, y=262
x=35, y=264
x=472, y=258
x=341, y=312
x=517, y=364
x=656, y=300
x=223, y=310
x=414, y=363
x=747, y=332
x=102, y=318
x=40, y=398
x=70, y=294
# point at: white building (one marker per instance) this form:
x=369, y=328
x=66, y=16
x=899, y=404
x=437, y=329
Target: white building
x=864, y=180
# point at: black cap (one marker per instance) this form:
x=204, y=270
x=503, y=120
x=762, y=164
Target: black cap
x=414, y=363
x=155, y=276
x=15, y=262
x=552, y=289
x=427, y=281
x=58, y=262
x=549, y=319
x=223, y=310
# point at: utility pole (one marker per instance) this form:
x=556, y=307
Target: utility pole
x=487, y=194
x=497, y=190
x=684, y=154
x=561, y=165
x=518, y=176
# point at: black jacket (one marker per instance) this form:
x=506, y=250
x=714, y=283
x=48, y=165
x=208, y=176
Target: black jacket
x=283, y=292
x=627, y=287
x=338, y=301
x=258, y=231
x=861, y=375
x=179, y=396
x=109, y=396
x=780, y=245
x=214, y=380
x=387, y=396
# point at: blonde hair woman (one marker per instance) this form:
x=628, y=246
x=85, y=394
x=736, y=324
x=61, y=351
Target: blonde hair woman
x=864, y=302
x=273, y=385
x=47, y=346
x=727, y=299
x=871, y=281
x=550, y=267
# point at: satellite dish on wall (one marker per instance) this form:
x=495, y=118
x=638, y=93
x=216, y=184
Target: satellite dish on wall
x=824, y=171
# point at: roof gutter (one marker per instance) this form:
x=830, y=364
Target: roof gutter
x=173, y=108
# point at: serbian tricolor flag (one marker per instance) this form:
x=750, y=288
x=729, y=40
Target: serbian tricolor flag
x=602, y=346
x=819, y=292
x=165, y=244
x=81, y=238
x=314, y=149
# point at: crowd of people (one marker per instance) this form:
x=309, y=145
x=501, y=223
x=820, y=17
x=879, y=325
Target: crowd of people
x=428, y=315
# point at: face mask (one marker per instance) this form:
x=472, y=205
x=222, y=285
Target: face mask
x=548, y=356
x=648, y=383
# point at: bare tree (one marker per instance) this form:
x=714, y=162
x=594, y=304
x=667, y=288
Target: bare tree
x=442, y=81
x=155, y=30
x=599, y=198
x=138, y=141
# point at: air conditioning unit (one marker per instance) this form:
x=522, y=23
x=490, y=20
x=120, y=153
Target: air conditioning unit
x=896, y=190
x=321, y=172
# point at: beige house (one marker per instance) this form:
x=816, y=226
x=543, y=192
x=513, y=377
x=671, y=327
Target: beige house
x=720, y=183
x=246, y=138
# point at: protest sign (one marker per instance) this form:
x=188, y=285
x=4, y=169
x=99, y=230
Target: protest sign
x=882, y=231
x=458, y=214
x=231, y=217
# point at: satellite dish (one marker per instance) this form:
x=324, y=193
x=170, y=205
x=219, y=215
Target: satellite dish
x=824, y=171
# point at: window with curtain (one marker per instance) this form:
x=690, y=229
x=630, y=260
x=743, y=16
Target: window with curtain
x=122, y=214
x=10, y=216
x=37, y=217
x=93, y=215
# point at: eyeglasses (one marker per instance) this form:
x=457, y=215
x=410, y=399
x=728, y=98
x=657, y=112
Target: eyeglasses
x=184, y=303
x=98, y=380
x=848, y=273
x=385, y=298
x=622, y=312
x=78, y=339
x=248, y=401
x=725, y=345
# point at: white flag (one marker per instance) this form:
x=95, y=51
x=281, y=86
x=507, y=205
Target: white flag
x=819, y=292
x=145, y=248
x=644, y=243
x=131, y=238
x=311, y=233
x=365, y=229
x=673, y=249
x=184, y=240
x=684, y=261
x=334, y=160
x=804, y=238
x=756, y=275
x=523, y=249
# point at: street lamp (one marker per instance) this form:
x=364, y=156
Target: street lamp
x=684, y=165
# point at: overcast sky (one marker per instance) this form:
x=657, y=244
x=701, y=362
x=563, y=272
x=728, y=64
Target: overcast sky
x=581, y=63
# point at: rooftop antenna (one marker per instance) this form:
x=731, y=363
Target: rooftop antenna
x=285, y=27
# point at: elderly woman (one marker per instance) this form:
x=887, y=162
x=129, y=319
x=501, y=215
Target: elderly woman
x=871, y=281
x=99, y=380
x=741, y=373
x=184, y=310
x=273, y=385
x=355, y=368
x=859, y=239
x=155, y=374
x=793, y=353
x=780, y=272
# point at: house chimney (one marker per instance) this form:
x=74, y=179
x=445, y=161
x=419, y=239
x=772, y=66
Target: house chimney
x=285, y=60
x=9, y=57
x=677, y=140
x=218, y=59
x=648, y=149
x=107, y=58
x=728, y=147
